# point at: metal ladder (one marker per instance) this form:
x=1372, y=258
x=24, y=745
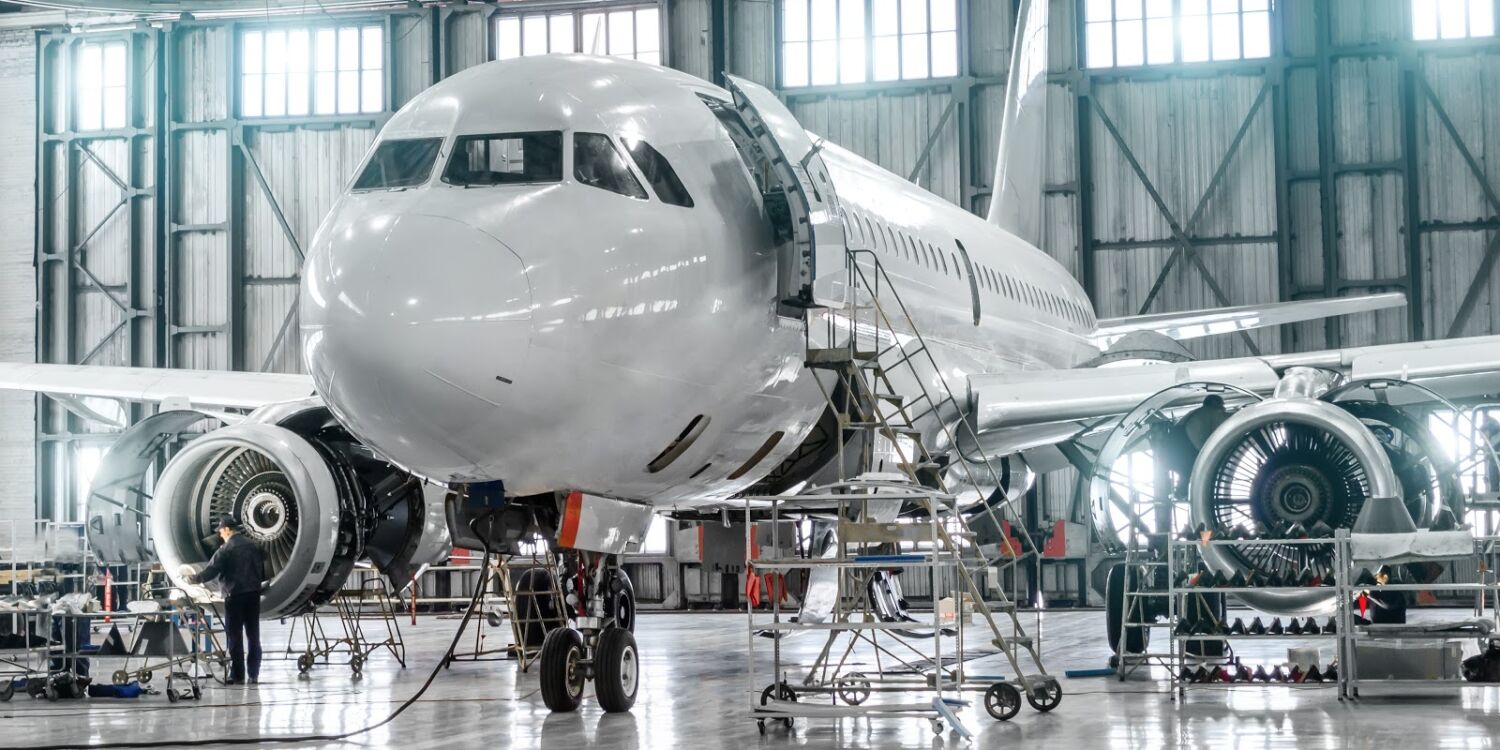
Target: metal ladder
x=884, y=345
x=528, y=615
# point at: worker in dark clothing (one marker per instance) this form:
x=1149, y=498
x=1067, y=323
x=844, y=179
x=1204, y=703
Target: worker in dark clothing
x=237, y=566
x=1180, y=445
x=1202, y=421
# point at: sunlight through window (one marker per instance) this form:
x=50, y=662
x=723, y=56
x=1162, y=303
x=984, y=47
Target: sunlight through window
x=828, y=42
x=1452, y=19
x=634, y=33
x=1130, y=33
x=99, y=86
x=324, y=71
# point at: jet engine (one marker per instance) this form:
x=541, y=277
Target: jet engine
x=307, y=493
x=1303, y=463
x=1300, y=463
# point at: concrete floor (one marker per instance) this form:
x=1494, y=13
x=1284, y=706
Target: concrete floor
x=694, y=695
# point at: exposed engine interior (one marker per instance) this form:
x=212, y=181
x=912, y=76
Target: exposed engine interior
x=1300, y=464
x=310, y=496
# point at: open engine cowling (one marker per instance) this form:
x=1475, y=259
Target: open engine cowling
x=1311, y=461
x=310, y=496
x=1283, y=462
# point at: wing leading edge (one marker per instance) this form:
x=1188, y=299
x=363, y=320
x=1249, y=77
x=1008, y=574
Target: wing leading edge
x=199, y=388
x=1194, y=324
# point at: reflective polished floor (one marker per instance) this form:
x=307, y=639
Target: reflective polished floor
x=695, y=694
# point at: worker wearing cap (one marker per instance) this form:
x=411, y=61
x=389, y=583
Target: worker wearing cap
x=238, y=566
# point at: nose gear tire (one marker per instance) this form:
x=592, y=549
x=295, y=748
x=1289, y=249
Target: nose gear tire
x=562, y=670
x=616, y=670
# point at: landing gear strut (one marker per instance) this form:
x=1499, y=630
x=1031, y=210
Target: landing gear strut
x=599, y=645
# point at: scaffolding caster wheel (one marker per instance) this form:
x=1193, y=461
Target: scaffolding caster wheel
x=1043, y=693
x=937, y=726
x=120, y=677
x=854, y=688
x=356, y=666
x=1002, y=701
x=782, y=692
x=146, y=676
x=304, y=663
x=761, y=725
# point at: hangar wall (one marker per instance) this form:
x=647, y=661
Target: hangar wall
x=1352, y=160
x=17, y=281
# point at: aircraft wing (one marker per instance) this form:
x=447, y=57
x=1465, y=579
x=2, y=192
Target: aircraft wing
x=199, y=388
x=1018, y=411
x=1197, y=323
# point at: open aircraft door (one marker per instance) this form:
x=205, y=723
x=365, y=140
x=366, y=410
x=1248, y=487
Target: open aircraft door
x=801, y=200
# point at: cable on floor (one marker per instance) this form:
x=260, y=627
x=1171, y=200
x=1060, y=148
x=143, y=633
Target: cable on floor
x=436, y=670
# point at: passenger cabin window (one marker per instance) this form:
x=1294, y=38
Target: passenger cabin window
x=505, y=159
x=400, y=163
x=659, y=173
x=598, y=163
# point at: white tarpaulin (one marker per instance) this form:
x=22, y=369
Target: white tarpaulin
x=1411, y=547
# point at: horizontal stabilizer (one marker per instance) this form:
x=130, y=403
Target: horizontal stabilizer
x=1194, y=324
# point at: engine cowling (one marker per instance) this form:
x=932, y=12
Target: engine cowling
x=1283, y=462
x=311, y=497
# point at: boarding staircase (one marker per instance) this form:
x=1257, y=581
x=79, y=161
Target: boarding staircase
x=878, y=375
x=880, y=348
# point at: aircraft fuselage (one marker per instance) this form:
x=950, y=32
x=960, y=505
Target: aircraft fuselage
x=554, y=330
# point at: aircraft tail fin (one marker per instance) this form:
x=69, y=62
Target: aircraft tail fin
x=1016, y=200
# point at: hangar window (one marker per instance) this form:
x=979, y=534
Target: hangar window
x=1452, y=19
x=504, y=159
x=399, y=164
x=99, y=73
x=1126, y=33
x=826, y=42
x=597, y=162
x=633, y=32
x=325, y=71
x=669, y=189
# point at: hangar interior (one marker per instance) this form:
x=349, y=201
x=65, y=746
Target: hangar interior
x=165, y=169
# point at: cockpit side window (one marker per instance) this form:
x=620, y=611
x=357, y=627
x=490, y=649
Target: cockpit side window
x=597, y=162
x=505, y=159
x=400, y=163
x=659, y=173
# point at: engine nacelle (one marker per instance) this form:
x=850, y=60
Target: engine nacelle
x=1290, y=461
x=311, y=497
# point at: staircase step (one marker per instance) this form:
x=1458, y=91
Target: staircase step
x=837, y=355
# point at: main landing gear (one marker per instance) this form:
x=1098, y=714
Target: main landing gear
x=599, y=645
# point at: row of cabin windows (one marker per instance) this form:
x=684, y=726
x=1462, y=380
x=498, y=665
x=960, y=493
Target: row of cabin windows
x=880, y=237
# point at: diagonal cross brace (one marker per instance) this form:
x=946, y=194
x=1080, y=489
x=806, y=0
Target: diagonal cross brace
x=1185, y=245
x=291, y=237
x=1492, y=249
x=1213, y=184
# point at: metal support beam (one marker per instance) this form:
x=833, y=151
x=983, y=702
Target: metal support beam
x=1177, y=229
x=1190, y=228
x=932, y=139
x=1416, y=292
x=1492, y=249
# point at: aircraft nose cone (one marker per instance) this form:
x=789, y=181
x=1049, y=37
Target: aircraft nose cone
x=416, y=335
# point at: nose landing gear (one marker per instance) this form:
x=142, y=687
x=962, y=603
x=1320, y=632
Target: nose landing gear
x=599, y=646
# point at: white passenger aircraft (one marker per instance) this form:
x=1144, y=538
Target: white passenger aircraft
x=559, y=286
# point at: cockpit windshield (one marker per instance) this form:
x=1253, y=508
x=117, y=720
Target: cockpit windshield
x=401, y=163
x=505, y=159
